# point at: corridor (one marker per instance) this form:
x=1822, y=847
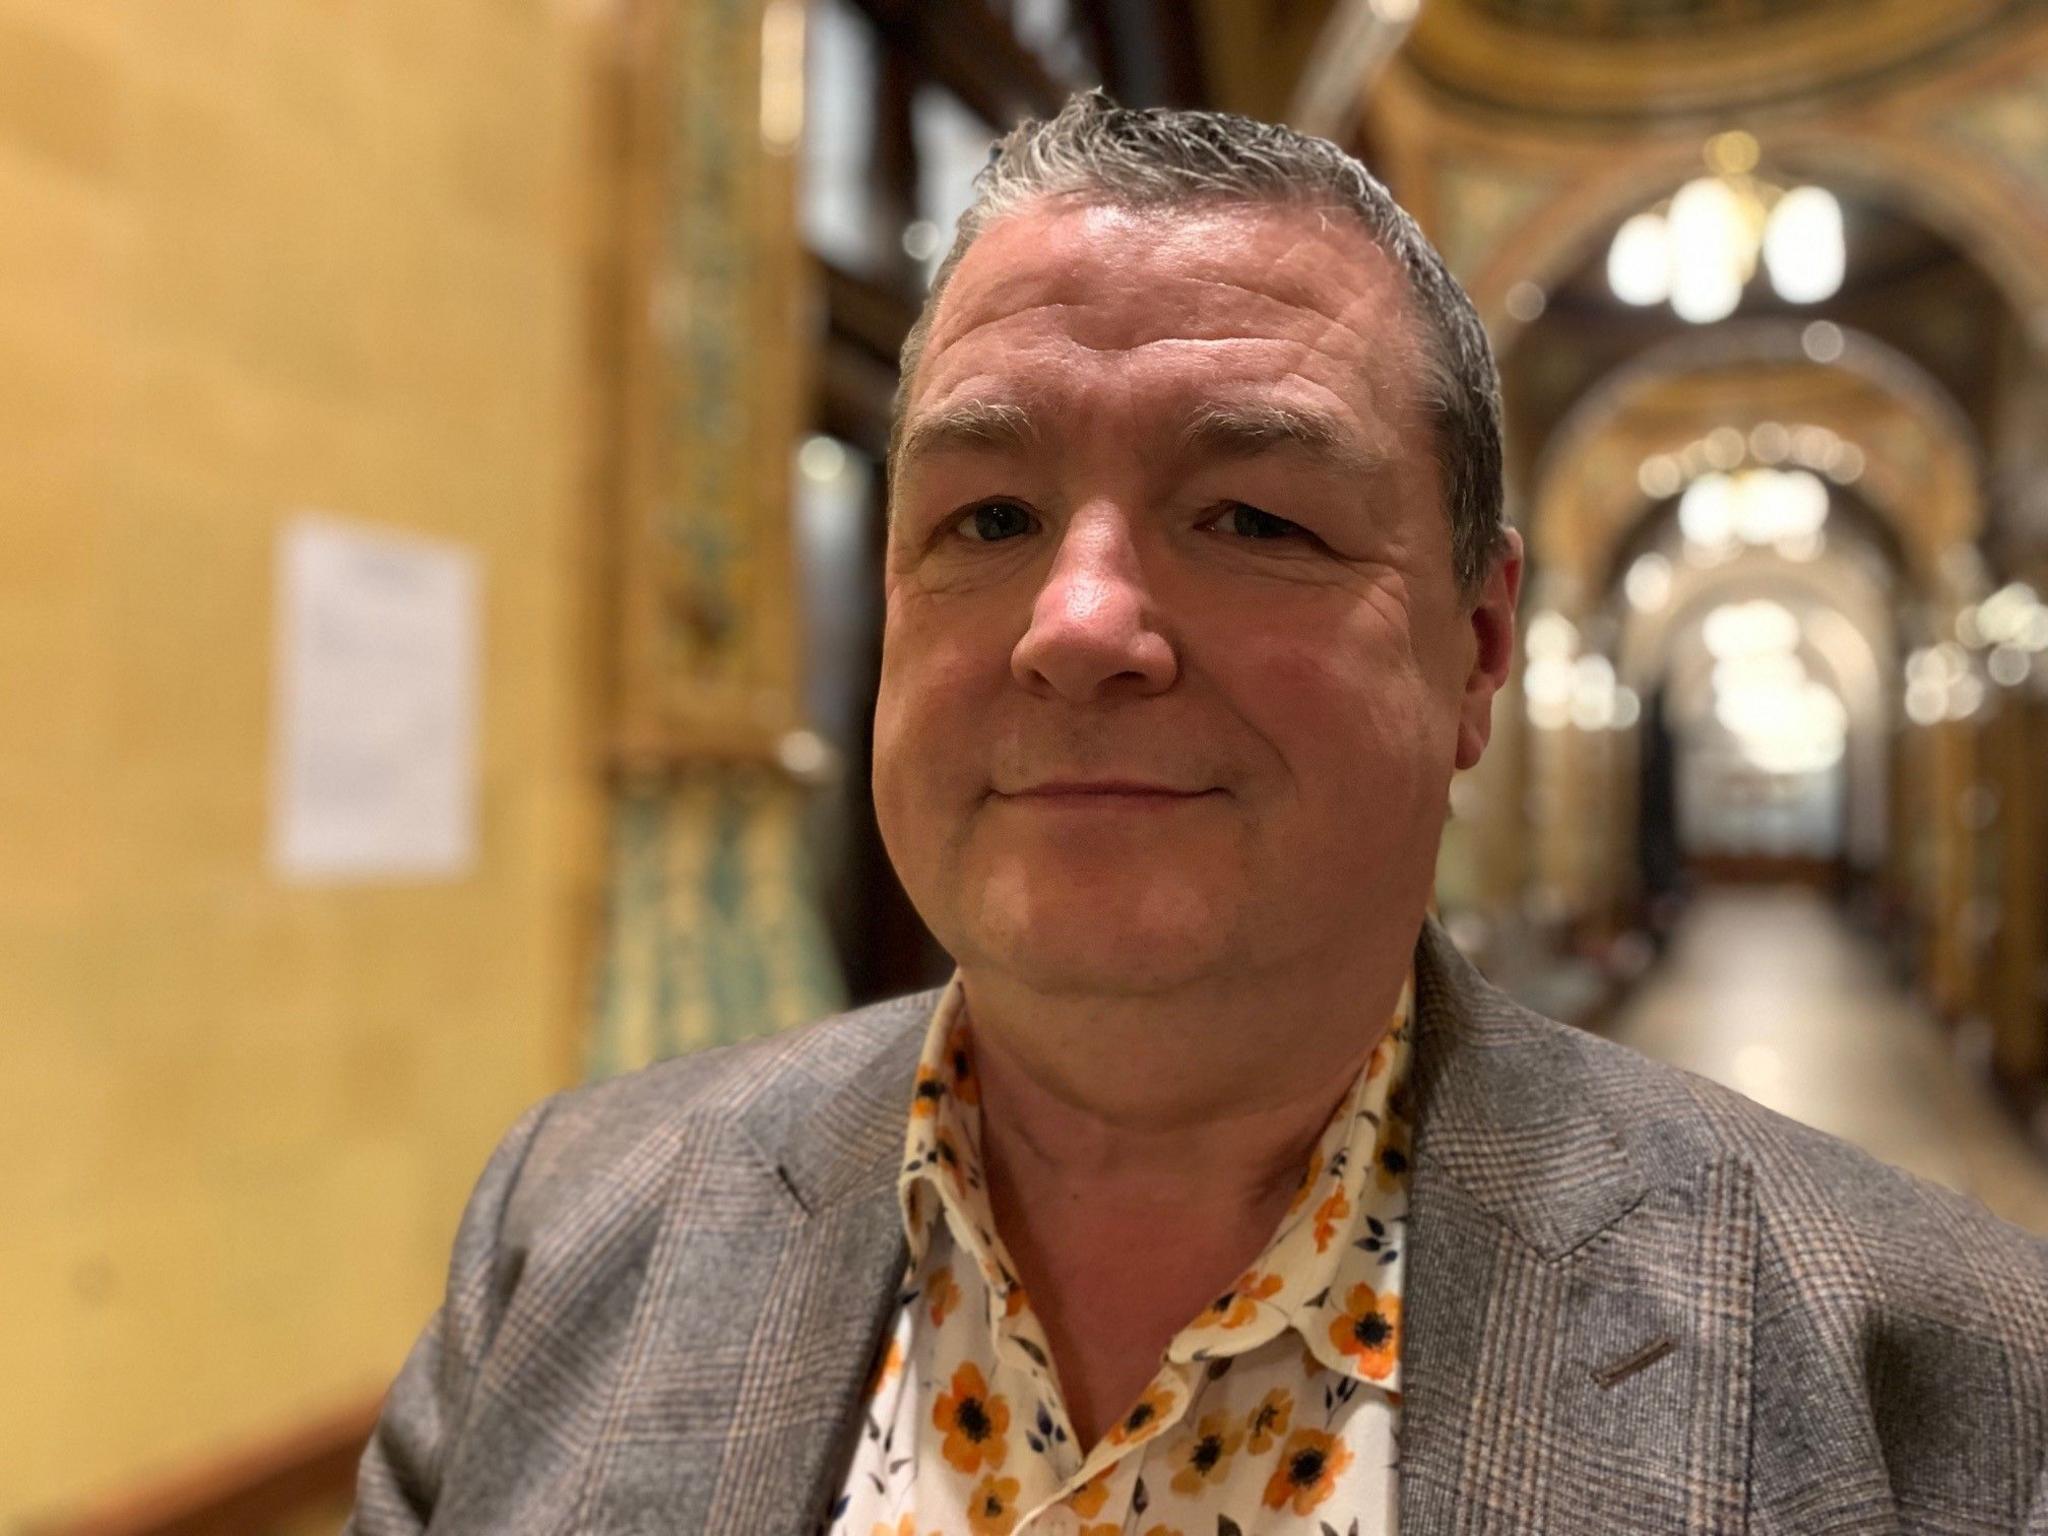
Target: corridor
x=1772, y=993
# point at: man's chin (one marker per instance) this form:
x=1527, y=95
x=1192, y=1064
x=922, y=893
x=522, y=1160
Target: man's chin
x=1107, y=958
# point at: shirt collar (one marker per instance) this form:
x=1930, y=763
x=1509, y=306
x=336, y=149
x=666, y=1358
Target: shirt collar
x=1332, y=1270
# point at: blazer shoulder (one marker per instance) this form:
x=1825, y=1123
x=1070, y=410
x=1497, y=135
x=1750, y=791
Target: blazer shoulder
x=731, y=1099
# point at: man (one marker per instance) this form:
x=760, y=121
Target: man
x=1216, y=1192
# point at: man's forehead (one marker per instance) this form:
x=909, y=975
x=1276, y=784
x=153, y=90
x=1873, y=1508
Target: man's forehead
x=1059, y=290
x=1198, y=270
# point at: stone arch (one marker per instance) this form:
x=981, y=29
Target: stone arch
x=1925, y=466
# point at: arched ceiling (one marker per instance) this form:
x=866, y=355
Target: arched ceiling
x=1920, y=472
x=1611, y=18
x=1592, y=59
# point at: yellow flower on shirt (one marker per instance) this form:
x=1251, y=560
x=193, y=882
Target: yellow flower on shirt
x=992, y=1507
x=1144, y=1418
x=973, y=1422
x=1238, y=1305
x=1203, y=1457
x=1331, y=1212
x=1269, y=1421
x=1369, y=1330
x=960, y=1066
x=1087, y=1500
x=1390, y=1157
x=943, y=1294
x=1307, y=1472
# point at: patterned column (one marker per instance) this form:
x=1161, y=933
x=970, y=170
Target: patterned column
x=712, y=931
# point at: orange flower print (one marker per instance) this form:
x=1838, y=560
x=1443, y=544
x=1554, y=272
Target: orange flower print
x=1238, y=1305
x=1087, y=1500
x=1204, y=1456
x=943, y=1294
x=1013, y=1303
x=945, y=1150
x=992, y=1507
x=1268, y=1422
x=924, y=1098
x=1161, y=1530
x=1308, y=1181
x=1107, y=1528
x=974, y=1423
x=907, y=1526
x=1145, y=1416
x=1390, y=1157
x=960, y=1066
x=886, y=1367
x=1328, y=1214
x=1307, y=1472
x=1369, y=1331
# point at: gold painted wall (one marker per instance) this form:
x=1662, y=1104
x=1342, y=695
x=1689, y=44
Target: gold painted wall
x=258, y=256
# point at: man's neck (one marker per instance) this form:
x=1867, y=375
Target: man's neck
x=1140, y=1155
x=1160, y=1100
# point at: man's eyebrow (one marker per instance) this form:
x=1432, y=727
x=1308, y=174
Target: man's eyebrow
x=1242, y=431
x=971, y=424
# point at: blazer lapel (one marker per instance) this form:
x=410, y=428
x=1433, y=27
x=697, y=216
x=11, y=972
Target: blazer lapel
x=1577, y=1313
x=767, y=1295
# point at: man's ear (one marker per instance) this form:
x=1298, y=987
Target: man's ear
x=1493, y=656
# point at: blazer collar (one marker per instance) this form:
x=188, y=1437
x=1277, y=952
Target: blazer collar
x=841, y=1139
x=1505, y=1110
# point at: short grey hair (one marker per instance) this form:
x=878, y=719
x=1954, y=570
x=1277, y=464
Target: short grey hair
x=1163, y=159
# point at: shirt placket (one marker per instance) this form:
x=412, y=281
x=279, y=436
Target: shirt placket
x=1115, y=1466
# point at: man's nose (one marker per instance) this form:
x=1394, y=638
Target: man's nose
x=1094, y=623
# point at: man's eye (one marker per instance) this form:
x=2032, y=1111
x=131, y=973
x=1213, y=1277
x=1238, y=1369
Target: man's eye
x=994, y=521
x=1250, y=523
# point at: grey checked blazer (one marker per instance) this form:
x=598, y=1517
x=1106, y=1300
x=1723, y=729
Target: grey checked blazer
x=1635, y=1302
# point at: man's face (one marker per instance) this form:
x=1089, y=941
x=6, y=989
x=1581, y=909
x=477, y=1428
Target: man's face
x=1175, y=670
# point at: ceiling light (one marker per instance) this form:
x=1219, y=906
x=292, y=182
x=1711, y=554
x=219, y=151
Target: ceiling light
x=1753, y=628
x=1804, y=249
x=1639, y=261
x=1648, y=583
x=1822, y=341
x=1526, y=302
x=1659, y=476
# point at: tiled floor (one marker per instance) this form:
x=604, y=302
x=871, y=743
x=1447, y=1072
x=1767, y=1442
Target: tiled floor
x=1770, y=992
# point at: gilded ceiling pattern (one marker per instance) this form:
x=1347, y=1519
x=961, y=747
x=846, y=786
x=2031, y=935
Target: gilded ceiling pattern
x=1608, y=19
x=2008, y=126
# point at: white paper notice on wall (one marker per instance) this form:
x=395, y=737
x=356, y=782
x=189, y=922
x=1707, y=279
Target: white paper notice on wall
x=374, y=772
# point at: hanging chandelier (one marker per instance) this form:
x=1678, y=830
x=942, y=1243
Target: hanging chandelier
x=1699, y=250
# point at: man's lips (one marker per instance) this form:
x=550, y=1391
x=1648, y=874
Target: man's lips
x=1083, y=788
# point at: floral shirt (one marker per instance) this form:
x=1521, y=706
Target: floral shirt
x=1275, y=1411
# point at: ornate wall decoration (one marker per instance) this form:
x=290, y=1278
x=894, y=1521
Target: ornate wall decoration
x=709, y=653
x=1634, y=18
x=711, y=929
x=2007, y=126
x=1607, y=60
x=712, y=932
x=1479, y=204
